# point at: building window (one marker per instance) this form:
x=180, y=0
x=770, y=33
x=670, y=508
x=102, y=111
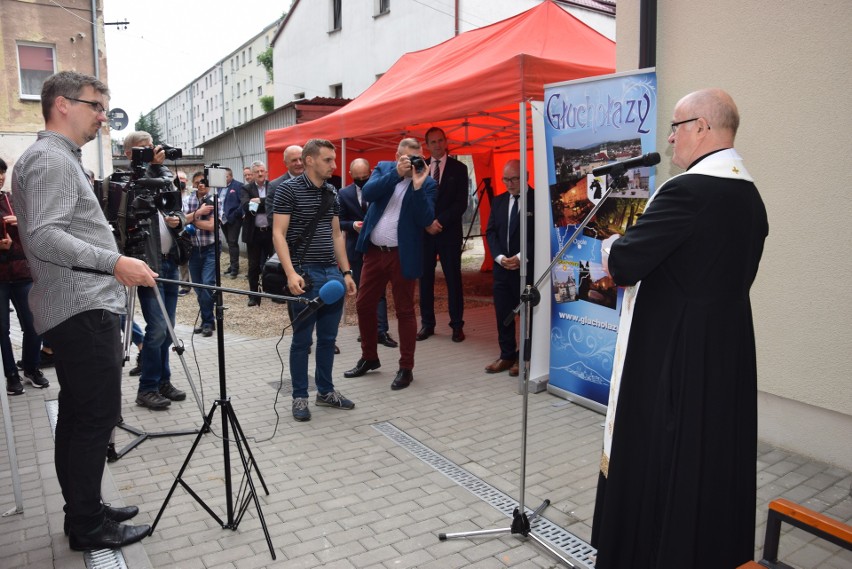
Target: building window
x=336, y=90
x=35, y=64
x=382, y=7
x=298, y=96
x=336, y=15
x=260, y=91
x=249, y=54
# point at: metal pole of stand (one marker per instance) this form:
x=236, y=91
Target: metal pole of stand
x=13, y=456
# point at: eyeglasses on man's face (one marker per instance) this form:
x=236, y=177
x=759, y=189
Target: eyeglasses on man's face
x=678, y=123
x=513, y=180
x=96, y=106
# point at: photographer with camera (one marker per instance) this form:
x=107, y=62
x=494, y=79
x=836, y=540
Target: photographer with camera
x=202, y=261
x=402, y=204
x=156, y=390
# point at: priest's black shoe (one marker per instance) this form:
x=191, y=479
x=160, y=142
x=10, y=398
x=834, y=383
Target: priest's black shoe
x=253, y=301
x=403, y=379
x=458, y=335
x=386, y=340
x=362, y=367
x=425, y=332
x=114, y=514
x=111, y=535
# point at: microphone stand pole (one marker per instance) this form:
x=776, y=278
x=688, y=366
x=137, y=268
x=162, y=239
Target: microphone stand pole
x=521, y=523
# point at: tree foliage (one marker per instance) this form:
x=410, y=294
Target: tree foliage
x=149, y=124
x=265, y=59
x=267, y=103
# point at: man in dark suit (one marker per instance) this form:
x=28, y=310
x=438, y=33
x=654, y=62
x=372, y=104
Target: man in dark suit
x=352, y=210
x=681, y=428
x=401, y=205
x=231, y=218
x=504, y=240
x=257, y=231
x=443, y=237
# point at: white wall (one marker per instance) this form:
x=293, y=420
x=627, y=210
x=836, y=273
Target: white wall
x=787, y=66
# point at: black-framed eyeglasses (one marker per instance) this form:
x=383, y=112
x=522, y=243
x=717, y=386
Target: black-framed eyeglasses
x=96, y=106
x=514, y=180
x=678, y=123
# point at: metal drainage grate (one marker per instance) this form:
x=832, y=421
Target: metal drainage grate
x=102, y=558
x=566, y=542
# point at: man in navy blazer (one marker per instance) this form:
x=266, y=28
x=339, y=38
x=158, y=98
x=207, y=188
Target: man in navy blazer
x=231, y=219
x=402, y=204
x=443, y=237
x=504, y=240
x=352, y=210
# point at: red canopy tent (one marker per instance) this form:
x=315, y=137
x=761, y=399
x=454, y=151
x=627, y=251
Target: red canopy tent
x=475, y=86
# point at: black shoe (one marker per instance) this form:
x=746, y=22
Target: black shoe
x=47, y=360
x=336, y=350
x=425, y=332
x=458, y=335
x=403, y=379
x=198, y=330
x=36, y=378
x=111, y=535
x=362, y=367
x=14, y=385
x=152, y=400
x=386, y=340
x=183, y=292
x=121, y=514
x=171, y=393
x=253, y=301
x=207, y=330
x=234, y=274
x=138, y=369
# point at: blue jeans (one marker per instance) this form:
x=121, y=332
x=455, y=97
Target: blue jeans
x=326, y=320
x=136, y=335
x=202, y=268
x=17, y=293
x=157, y=341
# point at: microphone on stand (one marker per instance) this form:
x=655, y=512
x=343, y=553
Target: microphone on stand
x=619, y=168
x=329, y=293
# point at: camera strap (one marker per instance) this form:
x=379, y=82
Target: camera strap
x=308, y=234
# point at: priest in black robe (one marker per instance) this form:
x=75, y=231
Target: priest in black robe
x=678, y=475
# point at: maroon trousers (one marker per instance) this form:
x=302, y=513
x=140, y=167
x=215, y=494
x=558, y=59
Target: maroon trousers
x=380, y=267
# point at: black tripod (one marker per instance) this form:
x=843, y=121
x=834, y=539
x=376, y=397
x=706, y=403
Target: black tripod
x=486, y=189
x=141, y=436
x=247, y=492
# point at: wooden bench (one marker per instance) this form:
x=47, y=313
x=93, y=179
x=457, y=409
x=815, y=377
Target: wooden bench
x=822, y=526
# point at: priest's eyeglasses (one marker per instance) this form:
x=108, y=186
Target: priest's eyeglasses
x=678, y=123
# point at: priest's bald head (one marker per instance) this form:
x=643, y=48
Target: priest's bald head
x=702, y=122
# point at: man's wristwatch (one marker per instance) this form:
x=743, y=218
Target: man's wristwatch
x=347, y=272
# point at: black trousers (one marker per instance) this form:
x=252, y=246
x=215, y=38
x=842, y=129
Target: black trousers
x=88, y=354
x=232, y=237
x=259, y=250
x=448, y=248
x=507, y=295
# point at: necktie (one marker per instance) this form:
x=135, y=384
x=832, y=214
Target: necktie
x=514, y=218
x=437, y=173
x=363, y=206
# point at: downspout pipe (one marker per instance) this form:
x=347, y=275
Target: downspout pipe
x=648, y=34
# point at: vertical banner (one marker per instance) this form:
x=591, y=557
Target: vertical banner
x=591, y=123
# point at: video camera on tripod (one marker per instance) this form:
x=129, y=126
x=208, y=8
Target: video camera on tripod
x=132, y=200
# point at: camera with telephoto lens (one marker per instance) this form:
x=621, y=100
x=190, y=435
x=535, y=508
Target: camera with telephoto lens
x=132, y=200
x=418, y=163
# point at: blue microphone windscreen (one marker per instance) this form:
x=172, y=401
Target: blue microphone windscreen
x=331, y=292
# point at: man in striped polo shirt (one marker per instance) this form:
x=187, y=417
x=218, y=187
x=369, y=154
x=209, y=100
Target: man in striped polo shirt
x=309, y=263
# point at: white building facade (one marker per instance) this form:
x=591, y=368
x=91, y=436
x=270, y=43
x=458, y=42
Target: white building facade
x=225, y=96
x=338, y=48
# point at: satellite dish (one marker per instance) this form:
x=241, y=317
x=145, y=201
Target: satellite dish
x=117, y=119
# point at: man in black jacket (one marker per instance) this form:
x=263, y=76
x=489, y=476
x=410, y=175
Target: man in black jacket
x=443, y=238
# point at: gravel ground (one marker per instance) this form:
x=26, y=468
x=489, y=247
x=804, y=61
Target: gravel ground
x=269, y=319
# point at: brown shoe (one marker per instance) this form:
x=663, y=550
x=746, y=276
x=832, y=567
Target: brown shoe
x=498, y=365
x=515, y=370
